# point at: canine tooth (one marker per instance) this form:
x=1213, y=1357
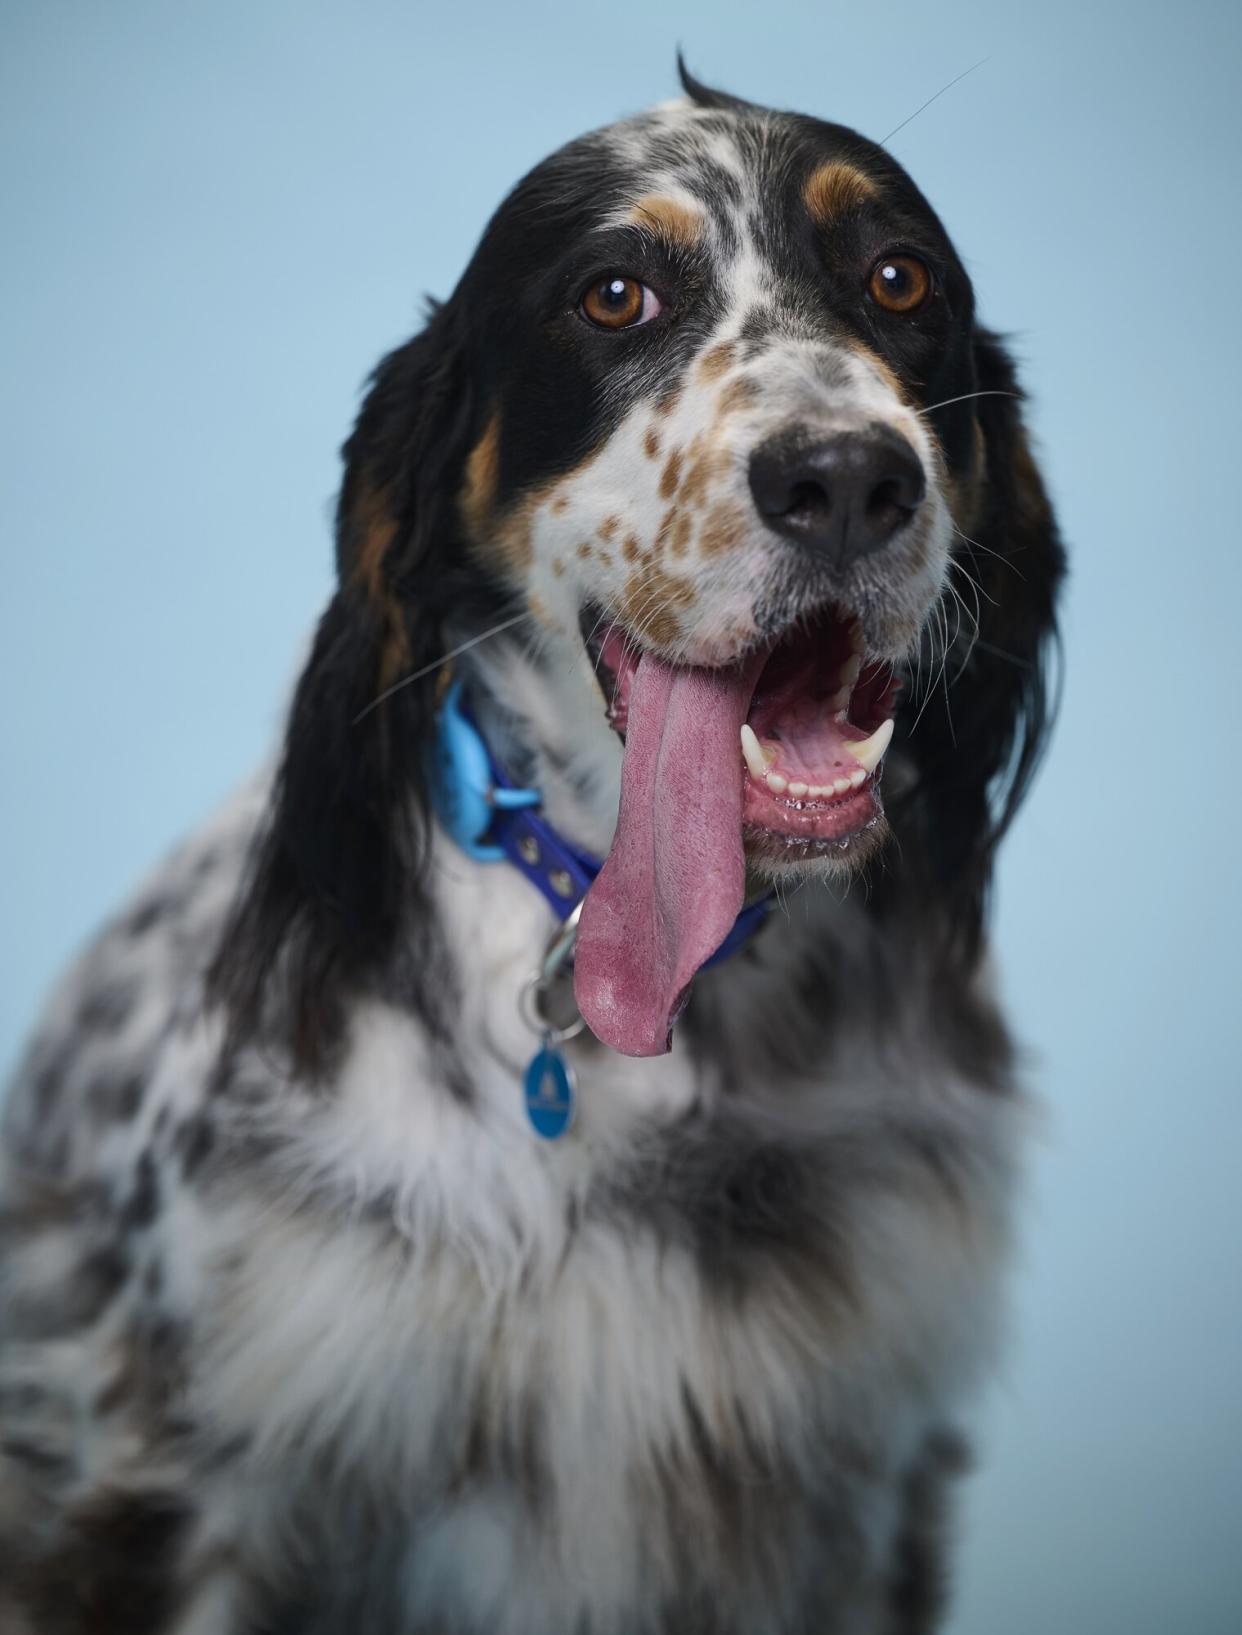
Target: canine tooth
x=858, y=778
x=797, y=789
x=776, y=783
x=753, y=752
x=838, y=701
x=851, y=669
x=869, y=753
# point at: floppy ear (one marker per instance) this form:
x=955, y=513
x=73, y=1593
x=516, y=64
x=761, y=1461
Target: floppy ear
x=339, y=861
x=977, y=750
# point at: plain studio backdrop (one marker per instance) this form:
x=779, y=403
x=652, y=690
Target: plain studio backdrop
x=217, y=215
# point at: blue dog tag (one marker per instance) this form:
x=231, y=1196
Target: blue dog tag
x=549, y=1093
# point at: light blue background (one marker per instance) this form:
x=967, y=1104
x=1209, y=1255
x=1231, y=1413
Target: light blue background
x=217, y=215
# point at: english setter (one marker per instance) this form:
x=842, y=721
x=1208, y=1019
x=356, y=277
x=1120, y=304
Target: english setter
x=348, y=1283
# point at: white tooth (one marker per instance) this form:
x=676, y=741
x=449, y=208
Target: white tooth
x=818, y=789
x=842, y=786
x=851, y=669
x=869, y=753
x=755, y=762
x=776, y=783
x=838, y=701
x=857, y=779
x=797, y=789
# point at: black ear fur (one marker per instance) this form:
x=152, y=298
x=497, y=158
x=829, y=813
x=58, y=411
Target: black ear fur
x=977, y=751
x=703, y=95
x=338, y=865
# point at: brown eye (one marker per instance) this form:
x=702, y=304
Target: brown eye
x=899, y=283
x=618, y=302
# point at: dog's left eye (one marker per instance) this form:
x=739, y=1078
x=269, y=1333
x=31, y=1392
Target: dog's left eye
x=619, y=302
x=900, y=283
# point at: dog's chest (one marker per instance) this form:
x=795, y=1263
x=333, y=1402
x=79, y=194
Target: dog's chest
x=579, y=1372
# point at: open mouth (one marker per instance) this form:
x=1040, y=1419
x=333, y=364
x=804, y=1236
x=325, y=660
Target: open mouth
x=818, y=720
x=774, y=758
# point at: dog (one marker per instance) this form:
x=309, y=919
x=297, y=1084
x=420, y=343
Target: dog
x=692, y=649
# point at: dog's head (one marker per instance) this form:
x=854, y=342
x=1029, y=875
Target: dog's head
x=710, y=410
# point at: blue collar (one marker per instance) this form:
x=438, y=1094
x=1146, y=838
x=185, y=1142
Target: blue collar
x=493, y=820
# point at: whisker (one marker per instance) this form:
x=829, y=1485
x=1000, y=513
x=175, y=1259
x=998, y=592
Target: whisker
x=437, y=664
x=965, y=397
x=932, y=99
x=987, y=550
x=1000, y=653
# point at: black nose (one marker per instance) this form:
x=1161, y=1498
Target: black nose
x=844, y=495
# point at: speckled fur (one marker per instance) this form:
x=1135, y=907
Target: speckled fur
x=284, y=1351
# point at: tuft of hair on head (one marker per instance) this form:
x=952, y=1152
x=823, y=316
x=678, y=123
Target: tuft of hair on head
x=703, y=96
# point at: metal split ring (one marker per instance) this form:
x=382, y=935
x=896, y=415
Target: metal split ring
x=530, y=1005
x=535, y=988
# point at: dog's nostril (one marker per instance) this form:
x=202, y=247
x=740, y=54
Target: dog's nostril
x=890, y=502
x=807, y=497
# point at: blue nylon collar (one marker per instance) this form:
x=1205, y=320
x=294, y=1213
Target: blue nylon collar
x=494, y=820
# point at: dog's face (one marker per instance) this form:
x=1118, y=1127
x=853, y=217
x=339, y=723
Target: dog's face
x=713, y=336
x=710, y=409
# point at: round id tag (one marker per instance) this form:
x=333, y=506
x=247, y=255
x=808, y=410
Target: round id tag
x=549, y=1092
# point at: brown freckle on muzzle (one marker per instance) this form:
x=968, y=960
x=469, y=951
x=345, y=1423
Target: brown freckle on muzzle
x=608, y=528
x=724, y=526
x=706, y=467
x=651, y=445
x=834, y=190
x=651, y=600
x=716, y=360
x=671, y=475
x=738, y=394
x=630, y=550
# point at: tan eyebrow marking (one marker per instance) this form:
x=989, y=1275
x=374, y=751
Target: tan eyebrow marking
x=834, y=190
x=676, y=221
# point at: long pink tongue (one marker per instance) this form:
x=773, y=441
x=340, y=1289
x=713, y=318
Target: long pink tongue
x=674, y=880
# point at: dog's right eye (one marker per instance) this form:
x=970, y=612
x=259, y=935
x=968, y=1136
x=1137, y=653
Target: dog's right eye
x=619, y=302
